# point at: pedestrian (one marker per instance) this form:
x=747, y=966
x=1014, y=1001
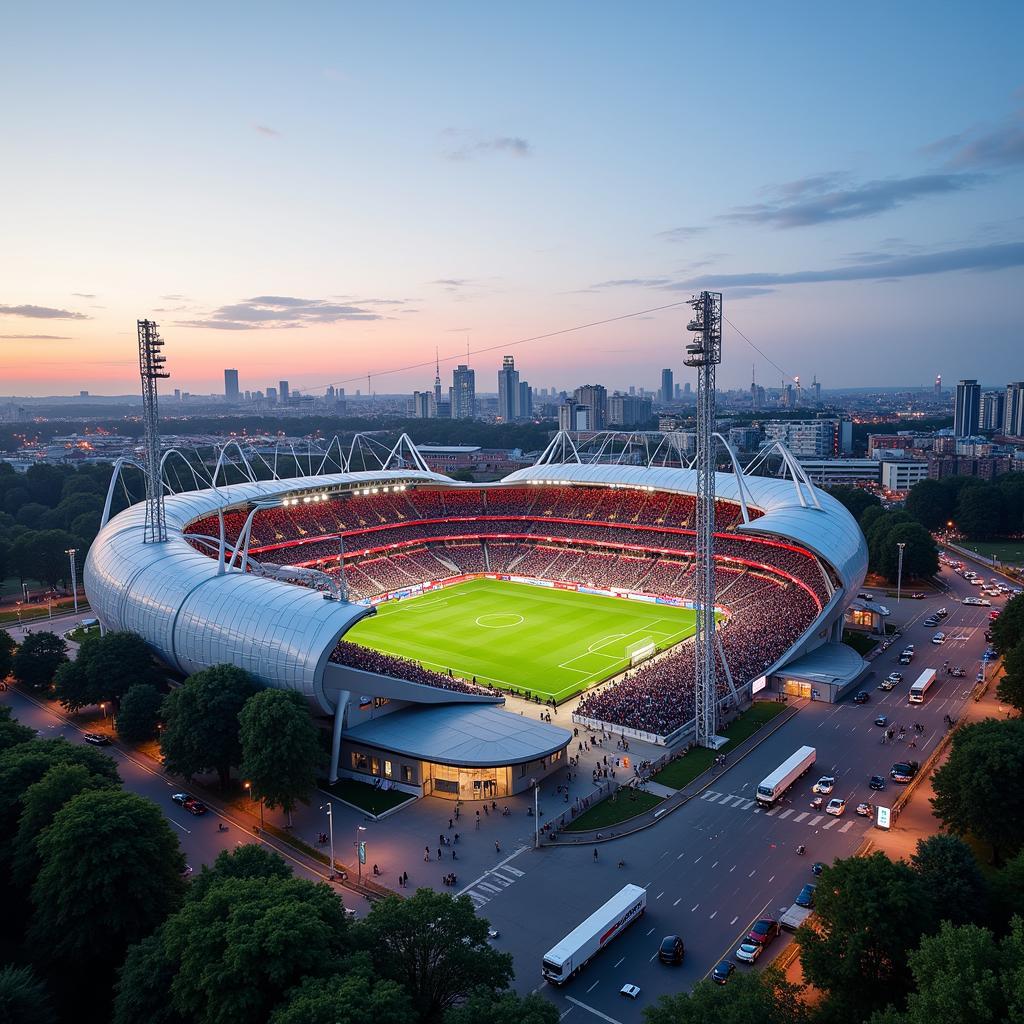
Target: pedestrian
x=426, y=854
x=451, y=824
x=455, y=855
x=440, y=838
x=439, y=853
x=456, y=837
x=497, y=848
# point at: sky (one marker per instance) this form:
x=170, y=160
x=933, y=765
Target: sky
x=325, y=191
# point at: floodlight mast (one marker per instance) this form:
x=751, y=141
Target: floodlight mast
x=151, y=369
x=704, y=352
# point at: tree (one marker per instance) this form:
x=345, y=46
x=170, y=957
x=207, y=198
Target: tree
x=930, y=504
x=143, y=991
x=868, y=913
x=246, y=861
x=201, y=728
x=355, y=996
x=951, y=878
x=1010, y=689
x=436, y=947
x=280, y=747
x=1008, y=888
x=37, y=660
x=1008, y=628
x=12, y=732
x=7, y=649
x=49, y=561
x=505, y=1008
x=920, y=557
x=979, y=512
x=980, y=788
x=105, y=669
x=111, y=872
x=139, y=713
x=870, y=516
x=241, y=947
x=23, y=998
x=763, y=997
x=856, y=500
x=40, y=804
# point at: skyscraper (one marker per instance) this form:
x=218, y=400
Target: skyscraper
x=1013, y=409
x=282, y=391
x=667, y=390
x=231, y=385
x=525, y=400
x=508, y=390
x=968, y=408
x=421, y=404
x=595, y=397
x=992, y=406
x=463, y=393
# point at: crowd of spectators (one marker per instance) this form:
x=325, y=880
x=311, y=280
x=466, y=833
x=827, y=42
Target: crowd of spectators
x=356, y=656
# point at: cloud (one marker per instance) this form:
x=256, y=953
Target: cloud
x=84, y=295
x=41, y=313
x=1000, y=145
x=471, y=146
x=682, y=234
x=635, y=282
x=278, y=311
x=821, y=200
x=36, y=337
x=265, y=129
x=174, y=298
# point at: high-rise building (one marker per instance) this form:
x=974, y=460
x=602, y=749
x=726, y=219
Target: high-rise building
x=525, y=401
x=990, y=416
x=667, y=389
x=231, y=385
x=272, y=396
x=628, y=410
x=938, y=385
x=595, y=397
x=824, y=438
x=437, y=384
x=463, y=393
x=1013, y=410
x=686, y=390
x=422, y=404
x=968, y=408
x=573, y=417
x=282, y=391
x=508, y=390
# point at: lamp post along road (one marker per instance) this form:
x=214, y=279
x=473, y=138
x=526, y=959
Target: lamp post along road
x=71, y=552
x=330, y=831
x=899, y=571
x=360, y=847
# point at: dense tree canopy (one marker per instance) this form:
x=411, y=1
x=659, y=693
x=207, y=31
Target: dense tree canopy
x=353, y=996
x=931, y=504
x=1010, y=688
x=23, y=998
x=1008, y=629
x=249, y=860
x=201, y=729
x=281, y=751
x=7, y=649
x=980, y=788
x=12, y=732
x=951, y=879
x=37, y=659
x=755, y=997
x=856, y=499
x=504, y=1008
x=105, y=669
x=139, y=713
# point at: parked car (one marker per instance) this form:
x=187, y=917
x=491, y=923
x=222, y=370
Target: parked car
x=887, y=684
x=749, y=952
x=865, y=810
x=723, y=972
x=903, y=771
x=884, y=610
x=906, y=656
x=630, y=991
x=817, y=867
x=805, y=898
x=876, y=782
x=929, y=623
x=942, y=613
x=97, y=739
x=671, y=950
x=939, y=638
x=763, y=931
x=836, y=807
x=861, y=697
x=824, y=785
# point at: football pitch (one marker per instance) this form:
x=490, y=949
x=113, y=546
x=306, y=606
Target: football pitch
x=550, y=643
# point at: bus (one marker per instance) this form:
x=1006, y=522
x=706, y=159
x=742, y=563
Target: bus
x=586, y=940
x=921, y=686
x=785, y=775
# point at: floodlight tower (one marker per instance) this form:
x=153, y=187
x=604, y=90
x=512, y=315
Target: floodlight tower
x=151, y=369
x=705, y=352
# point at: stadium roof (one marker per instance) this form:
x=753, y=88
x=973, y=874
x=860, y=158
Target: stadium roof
x=829, y=531
x=464, y=735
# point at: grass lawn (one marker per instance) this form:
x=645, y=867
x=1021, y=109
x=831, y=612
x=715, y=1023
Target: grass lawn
x=81, y=632
x=860, y=642
x=365, y=796
x=627, y=804
x=538, y=640
x=1010, y=552
x=685, y=769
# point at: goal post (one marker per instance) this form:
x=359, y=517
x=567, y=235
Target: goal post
x=640, y=650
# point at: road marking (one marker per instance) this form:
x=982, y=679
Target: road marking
x=489, y=887
x=829, y=824
x=676, y=904
x=694, y=907
x=660, y=894
x=680, y=857
x=699, y=859
x=770, y=880
x=733, y=921
x=787, y=813
x=847, y=827
x=615, y=965
x=502, y=866
x=815, y=819
x=774, y=810
x=732, y=869
x=564, y=1013
x=715, y=865
x=710, y=794
x=713, y=916
x=187, y=831
x=592, y=987
x=747, y=804
x=725, y=799
x=752, y=873
x=801, y=816
x=590, y=1009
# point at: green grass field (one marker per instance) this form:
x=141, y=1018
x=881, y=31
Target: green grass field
x=553, y=643
x=1009, y=552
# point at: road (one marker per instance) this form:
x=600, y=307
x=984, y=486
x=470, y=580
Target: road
x=719, y=862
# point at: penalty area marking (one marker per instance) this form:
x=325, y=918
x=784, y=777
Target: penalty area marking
x=519, y=620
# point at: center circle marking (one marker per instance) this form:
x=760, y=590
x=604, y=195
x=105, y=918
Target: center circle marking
x=504, y=624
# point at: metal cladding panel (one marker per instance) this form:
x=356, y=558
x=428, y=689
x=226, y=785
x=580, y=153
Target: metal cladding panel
x=830, y=532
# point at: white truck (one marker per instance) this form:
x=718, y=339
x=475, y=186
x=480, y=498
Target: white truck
x=921, y=686
x=794, y=917
x=785, y=775
x=565, y=958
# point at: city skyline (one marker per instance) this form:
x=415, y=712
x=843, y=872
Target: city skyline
x=324, y=210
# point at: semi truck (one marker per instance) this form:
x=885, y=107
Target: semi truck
x=921, y=686
x=785, y=775
x=586, y=940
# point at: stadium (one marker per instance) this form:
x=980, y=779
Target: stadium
x=405, y=606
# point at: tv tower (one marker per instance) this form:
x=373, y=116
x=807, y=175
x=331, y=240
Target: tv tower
x=151, y=369
x=437, y=383
x=938, y=385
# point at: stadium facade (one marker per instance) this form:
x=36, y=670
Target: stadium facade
x=399, y=532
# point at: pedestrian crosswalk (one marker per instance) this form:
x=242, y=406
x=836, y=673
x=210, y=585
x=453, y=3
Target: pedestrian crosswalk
x=485, y=888
x=742, y=803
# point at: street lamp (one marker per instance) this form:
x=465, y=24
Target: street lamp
x=71, y=552
x=252, y=796
x=359, y=847
x=899, y=571
x=330, y=831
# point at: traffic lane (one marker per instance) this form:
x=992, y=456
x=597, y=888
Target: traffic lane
x=198, y=836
